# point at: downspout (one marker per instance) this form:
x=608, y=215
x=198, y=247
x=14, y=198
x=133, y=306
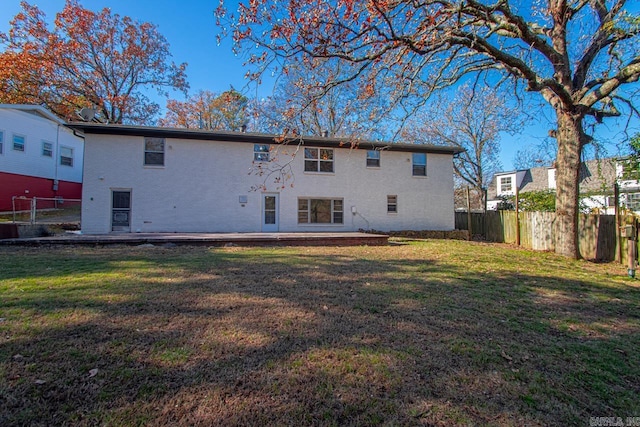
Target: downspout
x=55, y=163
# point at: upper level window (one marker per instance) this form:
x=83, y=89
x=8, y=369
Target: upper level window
x=1, y=142
x=506, y=185
x=261, y=152
x=318, y=160
x=154, y=151
x=419, y=164
x=47, y=149
x=66, y=156
x=18, y=142
x=320, y=211
x=373, y=158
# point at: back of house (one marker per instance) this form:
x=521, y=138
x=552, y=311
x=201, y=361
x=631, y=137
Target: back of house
x=147, y=179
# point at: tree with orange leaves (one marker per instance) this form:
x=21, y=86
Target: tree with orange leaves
x=208, y=110
x=88, y=59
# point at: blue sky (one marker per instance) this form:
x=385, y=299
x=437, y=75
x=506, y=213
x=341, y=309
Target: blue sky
x=191, y=31
x=188, y=26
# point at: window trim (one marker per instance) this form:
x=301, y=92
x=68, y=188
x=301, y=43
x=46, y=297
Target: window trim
x=334, y=214
x=632, y=200
x=502, y=185
x=318, y=161
x=375, y=160
x=44, y=150
x=259, y=155
x=414, y=164
x=24, y=142
x=392, y=203
x=147, y=151
x=71, y=158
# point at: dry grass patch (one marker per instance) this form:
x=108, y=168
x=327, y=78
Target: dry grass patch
x=430, y=332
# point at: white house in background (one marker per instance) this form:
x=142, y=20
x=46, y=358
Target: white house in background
x=147, y=179
x=597, y=179
x=39, y=155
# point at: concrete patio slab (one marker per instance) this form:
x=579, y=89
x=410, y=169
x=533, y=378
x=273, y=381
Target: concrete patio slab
x=210, y=239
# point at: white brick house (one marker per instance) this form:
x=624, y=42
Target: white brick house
x=146, y=179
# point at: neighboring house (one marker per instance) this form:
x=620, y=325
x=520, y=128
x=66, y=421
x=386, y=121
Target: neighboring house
x=597, y=179
x=39, y=155
x=147, y=179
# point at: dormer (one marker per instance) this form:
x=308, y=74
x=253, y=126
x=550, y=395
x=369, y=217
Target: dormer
x=506, y=183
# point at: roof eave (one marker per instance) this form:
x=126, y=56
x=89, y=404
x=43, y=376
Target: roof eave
x=254, y=138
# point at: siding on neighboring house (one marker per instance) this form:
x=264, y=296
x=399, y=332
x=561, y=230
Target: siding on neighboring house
x=597, y=178
x=205, y=184
x=35, y=169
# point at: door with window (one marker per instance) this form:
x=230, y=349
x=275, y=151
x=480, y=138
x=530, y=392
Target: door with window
x=270, y=212
x=121, y=210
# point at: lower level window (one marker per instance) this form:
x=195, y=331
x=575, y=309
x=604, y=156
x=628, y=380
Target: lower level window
x=633, y=201
x=392, y=204
x=320, y=211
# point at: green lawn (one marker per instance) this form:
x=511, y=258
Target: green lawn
x=424, y=333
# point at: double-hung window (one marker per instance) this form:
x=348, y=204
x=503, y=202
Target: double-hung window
x=419, y=164
x=47, y=149
x=320, y=211
x=392, y=204
x=633, y=201
x=154, y=151
x=66, y=156
x=318, y=160
x=18, y=143
x=506, y=185
x=261, y=152
x=373, y=158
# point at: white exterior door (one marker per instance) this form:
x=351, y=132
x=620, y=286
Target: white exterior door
x=270, y=212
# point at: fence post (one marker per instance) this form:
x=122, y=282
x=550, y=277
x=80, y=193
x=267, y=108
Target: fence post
x=616, y=212
x=33, y=211
x=517, y=217
x=469, y=227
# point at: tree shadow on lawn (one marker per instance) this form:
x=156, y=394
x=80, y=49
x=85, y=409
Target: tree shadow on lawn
x=352, y=336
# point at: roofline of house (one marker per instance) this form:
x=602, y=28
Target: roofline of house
x=35, y=108
x=254, y=138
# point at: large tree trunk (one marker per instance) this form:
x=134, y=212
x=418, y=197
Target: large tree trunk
x=571, y=138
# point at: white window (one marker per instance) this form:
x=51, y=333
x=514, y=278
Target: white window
x=419, y=164
x=66, y=156
x=392, y=204
x=633, y=201
x=320, y=211
x=47, y=149
x=261, y=152
x=318, y=160
x=373, y=158
x=506, y=185
x=18, y=143
x=1, y=142
x=154, y=151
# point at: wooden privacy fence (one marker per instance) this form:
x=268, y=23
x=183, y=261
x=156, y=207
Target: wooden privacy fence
x=597, y=234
